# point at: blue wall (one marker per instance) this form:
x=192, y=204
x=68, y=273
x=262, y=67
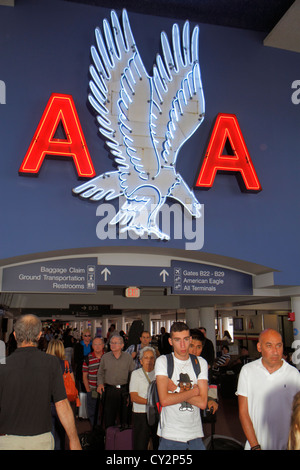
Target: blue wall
x=45, y=48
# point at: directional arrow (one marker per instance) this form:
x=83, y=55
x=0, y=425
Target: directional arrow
x=164, y=273
x=133, y=275
x=106, y=272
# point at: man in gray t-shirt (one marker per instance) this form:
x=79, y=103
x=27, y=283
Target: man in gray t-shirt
x=113, y=378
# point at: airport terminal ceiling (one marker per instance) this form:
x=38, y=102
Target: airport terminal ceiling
x=162, y=302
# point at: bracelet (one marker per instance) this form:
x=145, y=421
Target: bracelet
x=256, y=447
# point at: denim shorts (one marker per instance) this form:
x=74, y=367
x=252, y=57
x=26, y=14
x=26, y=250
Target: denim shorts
x=194, y=444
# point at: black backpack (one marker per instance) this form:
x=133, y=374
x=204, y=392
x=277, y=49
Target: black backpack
x=153, y=407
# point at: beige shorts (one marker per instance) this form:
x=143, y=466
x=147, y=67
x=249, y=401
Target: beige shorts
x=39, y=442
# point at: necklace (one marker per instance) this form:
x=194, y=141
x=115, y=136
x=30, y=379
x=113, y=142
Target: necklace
x=183, y=364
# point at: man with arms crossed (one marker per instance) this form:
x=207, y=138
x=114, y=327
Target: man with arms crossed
x=266, y=388
x=180, y=424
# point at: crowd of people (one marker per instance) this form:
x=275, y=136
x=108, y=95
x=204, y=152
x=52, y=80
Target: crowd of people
x=36, y=414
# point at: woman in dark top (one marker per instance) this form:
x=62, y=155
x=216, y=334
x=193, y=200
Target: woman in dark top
x=56, y=348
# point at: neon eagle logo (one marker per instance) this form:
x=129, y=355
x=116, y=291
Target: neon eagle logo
x=145, y=121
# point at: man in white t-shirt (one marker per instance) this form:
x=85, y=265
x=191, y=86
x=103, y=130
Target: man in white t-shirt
x=180, y=424
x=266, y=389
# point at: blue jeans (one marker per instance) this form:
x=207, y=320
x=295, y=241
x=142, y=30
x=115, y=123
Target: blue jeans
x=91, y=403
x=194, y=444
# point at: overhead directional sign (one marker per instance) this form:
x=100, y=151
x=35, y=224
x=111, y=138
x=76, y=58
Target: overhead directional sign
x=133, y=276
x=64, y=275
x=202, y=279
x=182, y=277
x=93, y=310
x=84, y=275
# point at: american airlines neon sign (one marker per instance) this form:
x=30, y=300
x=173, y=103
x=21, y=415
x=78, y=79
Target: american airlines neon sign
x=60, y=110
x=145, y=120
x=227, y=128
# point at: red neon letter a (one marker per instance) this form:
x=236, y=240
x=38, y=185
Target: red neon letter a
x=60, y=109
x=227, y=127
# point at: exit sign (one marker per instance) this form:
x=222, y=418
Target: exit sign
x=132, y=292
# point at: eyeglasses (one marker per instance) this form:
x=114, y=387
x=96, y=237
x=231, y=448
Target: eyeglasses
x=86, y=336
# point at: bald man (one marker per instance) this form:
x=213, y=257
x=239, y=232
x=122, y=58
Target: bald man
x=266, y=388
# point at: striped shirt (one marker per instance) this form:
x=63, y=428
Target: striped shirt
x=90, y=366
x=221, y=361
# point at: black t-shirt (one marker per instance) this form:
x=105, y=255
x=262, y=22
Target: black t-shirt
x=28, y=381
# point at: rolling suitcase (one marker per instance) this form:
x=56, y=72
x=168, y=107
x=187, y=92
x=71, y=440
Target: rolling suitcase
x=118, y=438
x=216, y=441
x=94, y=439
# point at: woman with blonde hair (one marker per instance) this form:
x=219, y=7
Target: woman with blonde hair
x=294, y=435
x=56, y=348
